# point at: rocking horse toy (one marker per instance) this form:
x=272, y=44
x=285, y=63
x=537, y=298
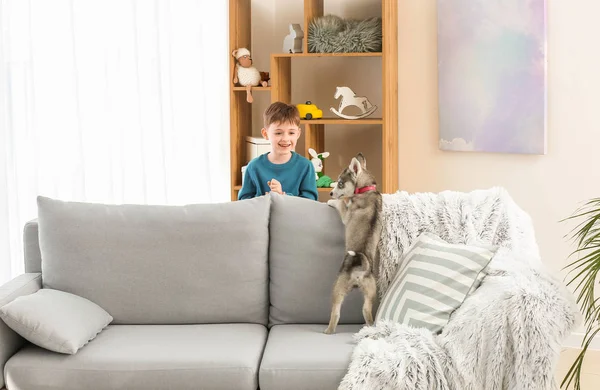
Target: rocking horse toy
x=349, y=98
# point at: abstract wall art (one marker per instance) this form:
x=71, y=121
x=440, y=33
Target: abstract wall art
x=492, y=75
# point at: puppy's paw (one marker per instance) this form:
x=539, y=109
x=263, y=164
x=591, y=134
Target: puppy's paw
x=329, y=331
x=332, y=202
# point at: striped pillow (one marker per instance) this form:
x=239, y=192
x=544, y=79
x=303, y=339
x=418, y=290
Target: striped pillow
x=434, y=279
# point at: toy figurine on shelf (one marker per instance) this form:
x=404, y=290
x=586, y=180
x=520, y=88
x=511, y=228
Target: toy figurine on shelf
x=247, y=75
x=292, y=43
x=309, y=111
x=323, y=181
x=349, y=99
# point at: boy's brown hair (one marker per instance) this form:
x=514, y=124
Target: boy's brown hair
x=280, y=112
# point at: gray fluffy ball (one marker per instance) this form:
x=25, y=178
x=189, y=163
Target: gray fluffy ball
x=332, y=34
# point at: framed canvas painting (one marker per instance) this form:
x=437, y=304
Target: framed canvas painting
x=492, y=75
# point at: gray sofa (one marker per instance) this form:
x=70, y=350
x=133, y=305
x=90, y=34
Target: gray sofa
x=218, y=296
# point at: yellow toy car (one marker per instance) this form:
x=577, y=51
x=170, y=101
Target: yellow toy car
x=309, y=111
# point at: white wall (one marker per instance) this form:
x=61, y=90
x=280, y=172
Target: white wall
x=548, y=187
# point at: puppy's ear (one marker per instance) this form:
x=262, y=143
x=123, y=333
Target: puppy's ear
x=355, y=166
x=362, y=159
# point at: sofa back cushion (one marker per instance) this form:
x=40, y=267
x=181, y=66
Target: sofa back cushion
x=144, y=264
x=306, y=249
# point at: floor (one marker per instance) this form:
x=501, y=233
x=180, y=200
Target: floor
x=590, y=373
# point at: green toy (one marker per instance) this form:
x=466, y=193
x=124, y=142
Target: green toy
x=323, y=181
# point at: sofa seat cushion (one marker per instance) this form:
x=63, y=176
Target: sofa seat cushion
x=220, y=356
x=303, y=357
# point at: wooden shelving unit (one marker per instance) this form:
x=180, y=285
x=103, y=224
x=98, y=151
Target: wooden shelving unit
x=243, y=89
x=281, y=90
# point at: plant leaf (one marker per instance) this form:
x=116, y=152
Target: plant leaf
x=574, y=373
x=584, y=272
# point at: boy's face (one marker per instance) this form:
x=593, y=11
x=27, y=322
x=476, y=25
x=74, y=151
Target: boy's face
x=283, y=137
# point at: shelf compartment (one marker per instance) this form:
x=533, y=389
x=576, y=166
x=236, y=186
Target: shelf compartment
x=304, y=55
x=240, y=89
x=335, y=121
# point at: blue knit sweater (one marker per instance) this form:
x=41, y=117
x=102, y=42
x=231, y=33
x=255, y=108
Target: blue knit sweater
x=297, y=177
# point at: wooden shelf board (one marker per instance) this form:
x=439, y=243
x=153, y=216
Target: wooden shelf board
x=303, y=55
x=239, y=89
x=335, y=121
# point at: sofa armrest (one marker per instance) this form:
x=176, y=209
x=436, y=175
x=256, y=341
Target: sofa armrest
x=11, y=342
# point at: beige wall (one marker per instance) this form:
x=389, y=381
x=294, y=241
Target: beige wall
x=548, y=187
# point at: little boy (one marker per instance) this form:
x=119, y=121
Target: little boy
x=281, y=170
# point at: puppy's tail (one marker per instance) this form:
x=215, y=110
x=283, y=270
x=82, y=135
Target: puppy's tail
x=356, y=260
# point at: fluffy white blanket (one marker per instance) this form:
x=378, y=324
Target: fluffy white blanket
x=506, y=335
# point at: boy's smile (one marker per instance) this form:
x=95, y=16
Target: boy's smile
x=283, y=138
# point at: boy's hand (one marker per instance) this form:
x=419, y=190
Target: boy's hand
x=275, y=186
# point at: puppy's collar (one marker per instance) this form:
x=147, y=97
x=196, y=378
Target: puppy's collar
x=364, y=189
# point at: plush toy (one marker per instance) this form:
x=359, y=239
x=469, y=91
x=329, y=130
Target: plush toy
x=323, y=181
x=247, y=75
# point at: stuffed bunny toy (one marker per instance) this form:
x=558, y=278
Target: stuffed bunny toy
x=317, y=161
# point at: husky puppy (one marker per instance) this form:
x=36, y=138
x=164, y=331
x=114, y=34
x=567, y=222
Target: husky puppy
x=359, y=203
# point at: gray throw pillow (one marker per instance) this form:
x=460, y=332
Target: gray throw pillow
x=434, y=279
x=55, y=320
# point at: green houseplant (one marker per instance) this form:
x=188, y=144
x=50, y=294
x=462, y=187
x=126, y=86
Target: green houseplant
x=584, y=273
